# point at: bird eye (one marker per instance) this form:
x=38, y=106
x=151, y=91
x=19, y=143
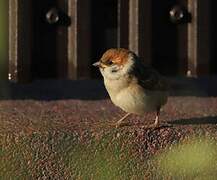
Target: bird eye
x=109, y=62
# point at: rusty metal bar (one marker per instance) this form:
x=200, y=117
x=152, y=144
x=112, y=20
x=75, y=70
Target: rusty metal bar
x=3, y=40
x=199, y=38
x=62, y=42
x=79, y=39
x=19, y=40
x=140, y=28
x=182, y=50
x=13, y=40
x=72, y=41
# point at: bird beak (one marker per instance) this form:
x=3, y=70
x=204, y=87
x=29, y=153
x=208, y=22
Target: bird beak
x=97, y=64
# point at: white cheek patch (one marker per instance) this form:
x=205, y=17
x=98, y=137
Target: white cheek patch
x=127, y=67
x=111, y=72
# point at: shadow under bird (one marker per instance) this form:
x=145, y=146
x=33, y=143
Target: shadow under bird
x=131, y=85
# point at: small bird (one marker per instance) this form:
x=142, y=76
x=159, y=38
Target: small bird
x=131, y=85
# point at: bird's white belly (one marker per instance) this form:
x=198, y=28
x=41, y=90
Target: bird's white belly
x=139, y=102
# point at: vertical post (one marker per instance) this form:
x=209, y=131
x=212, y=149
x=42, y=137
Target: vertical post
x=199, y=38
x=123, y=24
x=140, y=28
x=19, y=40
x=13, y=40
x=182, y=40
x=79, y=39
x=3, y=40
x=62, y=42
x=134, y=25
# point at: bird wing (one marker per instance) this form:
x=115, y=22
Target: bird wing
x=150, y=79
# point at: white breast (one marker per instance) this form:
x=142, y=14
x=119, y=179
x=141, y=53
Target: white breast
x=137, y=100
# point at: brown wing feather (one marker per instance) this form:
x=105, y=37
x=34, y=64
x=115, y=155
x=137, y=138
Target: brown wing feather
x=150, y=79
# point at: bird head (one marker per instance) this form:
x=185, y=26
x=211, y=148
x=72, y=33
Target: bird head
x=116, y=63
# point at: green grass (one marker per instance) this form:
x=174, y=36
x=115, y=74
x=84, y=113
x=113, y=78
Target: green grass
x=112, y=155
x=58, y=154
x=194, y=159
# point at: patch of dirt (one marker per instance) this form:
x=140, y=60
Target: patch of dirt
x=93, y=116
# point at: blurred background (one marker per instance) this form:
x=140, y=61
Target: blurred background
x=60, y=39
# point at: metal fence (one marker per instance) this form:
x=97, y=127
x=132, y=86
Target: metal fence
x=60, y=39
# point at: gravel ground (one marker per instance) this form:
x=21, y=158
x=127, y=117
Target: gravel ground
x=85, y=104
x=82, y=108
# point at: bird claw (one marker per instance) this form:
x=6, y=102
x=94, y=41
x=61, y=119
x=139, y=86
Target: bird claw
x=117, y=125
x=121, y=124
x=156, y=126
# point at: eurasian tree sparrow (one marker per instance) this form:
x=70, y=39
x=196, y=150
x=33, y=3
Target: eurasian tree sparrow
x=131, y=85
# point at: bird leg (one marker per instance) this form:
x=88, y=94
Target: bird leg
x=156, y=122
x=120, y=120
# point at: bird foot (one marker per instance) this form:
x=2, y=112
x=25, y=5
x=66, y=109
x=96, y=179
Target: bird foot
x=156, y=125
x=121, y=124
x=117, y=125
x=150, y=126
